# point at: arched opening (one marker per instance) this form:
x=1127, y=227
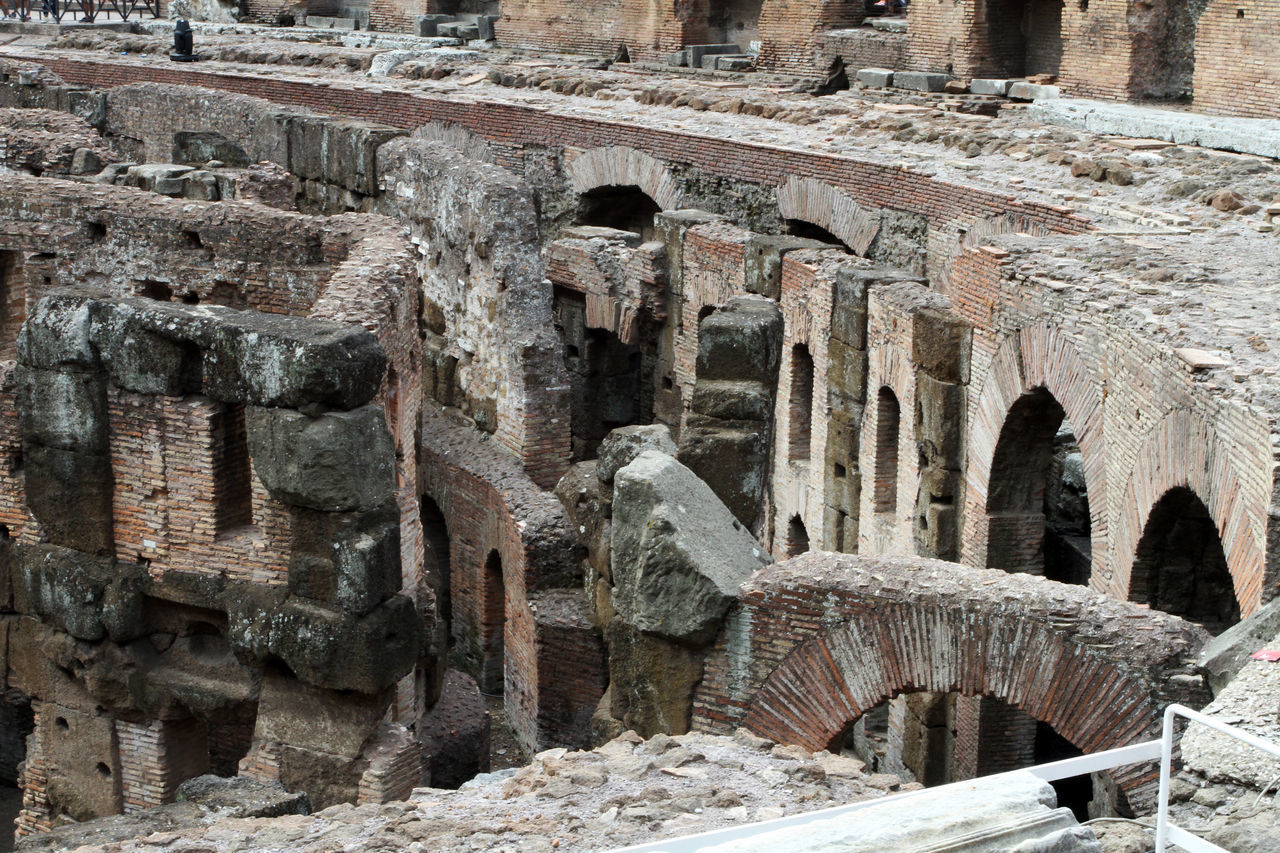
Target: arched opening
x=888, y=417
x=1180, y=566
x=493, y=625
x=435, y=560
x=797, y=537
x=939, y=738
x=800, y=413
x=625, y=208
x=1037, y=500
x=611, y=381
x=13, y=303
x=16, y=723
x=810, y=231
x=1024, y=37
x=735, y=22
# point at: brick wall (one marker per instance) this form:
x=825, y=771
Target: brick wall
x=1237, y=66
x=649, y=31
x=490, y=505
x=1134, y=407
x=821, y=639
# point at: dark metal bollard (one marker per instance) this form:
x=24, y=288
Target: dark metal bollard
x=182, y=43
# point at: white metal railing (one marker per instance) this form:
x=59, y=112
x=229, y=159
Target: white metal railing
x=1165, y=831
x=1152, y=750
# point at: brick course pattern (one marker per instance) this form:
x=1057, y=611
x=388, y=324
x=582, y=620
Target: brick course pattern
x=820, y=639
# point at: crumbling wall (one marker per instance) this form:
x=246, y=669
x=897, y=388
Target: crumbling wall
x=485, y=307
x=167, y=455
x=603, y=27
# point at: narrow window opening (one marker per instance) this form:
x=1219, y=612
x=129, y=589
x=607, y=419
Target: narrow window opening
x=801, y=408
x=888, y=415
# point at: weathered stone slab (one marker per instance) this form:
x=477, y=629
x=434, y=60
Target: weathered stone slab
x=1024, y=91
x=876, y=78
x=990, y=87
x=678, y=554
x=920, y=81
x=336, y=462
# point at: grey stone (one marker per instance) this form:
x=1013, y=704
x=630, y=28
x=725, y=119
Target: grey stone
x=484, y=23
x=678, y=554
x=201, y=185
x=71, y=589
x=741, y=342
x=85, y=162
x=730, y=62
x=762, y=261
x=70, y=493
x=1243, y=135
x=63, y=409
x=876, y=78
x=324, y=647
x=679, y=59
x=1024, y=91
x=425, y=25
x=57, y=334
x=1224, y=655
x=990, y=87
x=351, y=560
x=242, y=797
x=336, y=462
x=624, y=444
x=920, y=81
x=697, y=51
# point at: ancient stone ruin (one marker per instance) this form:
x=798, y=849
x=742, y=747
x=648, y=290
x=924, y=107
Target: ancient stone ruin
x=757, y=408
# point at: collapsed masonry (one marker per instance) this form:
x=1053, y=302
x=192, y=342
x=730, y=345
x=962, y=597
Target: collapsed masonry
x=317, y=428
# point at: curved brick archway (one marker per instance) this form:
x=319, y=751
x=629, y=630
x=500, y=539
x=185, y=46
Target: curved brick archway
x=619, y=166
x=1183, y=451
x=1032, y=358
x=831, y=209
x=821, y=639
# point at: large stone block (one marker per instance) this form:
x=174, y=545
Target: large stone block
x=876, y=78
x=733, y=462
x=741, y=341
x=847, y=370
x=65, y=587
x=351, y=560
x=144, y=362
x=270, y=360
x=322, y=646
x=678, y=554
x=762, y=261
x=940, y=412
x=336, y=462
x=81, y=762
x=733, y=401
x=63, y=409
x=1226, y=654
x=70, y=494
x=56, y=334
x=651, y=681
x=920, y=81
x=621, y=446
x=940, y=344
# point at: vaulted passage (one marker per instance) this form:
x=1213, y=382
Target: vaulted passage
x=939, y=738
x=1180, y=566
x=624, y=208
x=1025, y=36
x=494, y=626
x=888, y=419
x=905, y=625
x=1037, y=500
x=610, y=386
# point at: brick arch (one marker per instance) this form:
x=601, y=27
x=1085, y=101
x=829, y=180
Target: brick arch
x=1183, y=450
x=979, y=232
x=1036, y=357
x=620, y=166
x=831, y=209
x=823, y=638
